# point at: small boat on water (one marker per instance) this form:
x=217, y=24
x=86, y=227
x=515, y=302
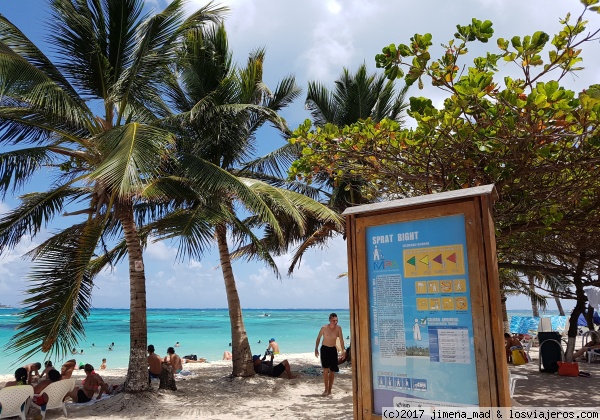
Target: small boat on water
x=266, y=314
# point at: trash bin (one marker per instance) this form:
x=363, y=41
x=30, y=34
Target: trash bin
x=551, y=351
x=549, y=335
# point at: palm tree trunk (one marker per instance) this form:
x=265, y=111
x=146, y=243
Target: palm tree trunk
x=534, y=307
x=137, y=372
x=505, y=322
x=242, y=356
x=559, y=306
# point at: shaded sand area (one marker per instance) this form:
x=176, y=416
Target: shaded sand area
x=542, y=389
x=209, y=393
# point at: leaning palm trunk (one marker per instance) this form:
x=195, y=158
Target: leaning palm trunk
x=534, y=306
x=242, y=356
x=561, y=311
x=137, y=372
x=505, y=321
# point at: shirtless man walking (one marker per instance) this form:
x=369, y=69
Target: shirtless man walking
x=329, y=357
x=154, y=362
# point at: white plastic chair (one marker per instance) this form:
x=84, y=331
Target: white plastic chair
x=512, y=381
x=594, y=353
x=56, y=392
x=15, y=400
x=526, y=347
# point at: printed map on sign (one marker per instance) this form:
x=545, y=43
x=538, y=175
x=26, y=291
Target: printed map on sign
x=433, y=261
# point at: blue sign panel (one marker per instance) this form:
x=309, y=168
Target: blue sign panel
x=420, y=309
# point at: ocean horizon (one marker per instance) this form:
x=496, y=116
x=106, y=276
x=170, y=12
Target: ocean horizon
x=204, y=332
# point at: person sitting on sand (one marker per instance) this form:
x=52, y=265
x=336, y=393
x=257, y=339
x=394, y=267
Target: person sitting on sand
x=273, y=346
x=227, y=355
x=33, y=369
x=86, y=392
x=154, y=362
x=174, y=360
x=39, y=397
x=20, y=378
x=266, y=368
x=67, y=368
x=510, y=341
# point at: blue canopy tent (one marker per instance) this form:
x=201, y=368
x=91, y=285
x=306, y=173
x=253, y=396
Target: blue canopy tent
x=581, y=322
x=529, y=324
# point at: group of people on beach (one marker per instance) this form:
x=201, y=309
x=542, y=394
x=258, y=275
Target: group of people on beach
x=330, y=334
x=173, y=360
x=30, y=375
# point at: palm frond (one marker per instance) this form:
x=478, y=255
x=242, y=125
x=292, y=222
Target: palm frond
x=192, y=229
x=212, y=181
x=29, y=88
x=18, y=166
x=95, y=41
x=277, y=162
x=60, y=295
x=155, y=51
x=16, y=41
x=134, y=153
x=319, y=237
x=36, y=211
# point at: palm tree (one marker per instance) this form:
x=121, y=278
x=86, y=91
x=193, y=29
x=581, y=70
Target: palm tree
x=219, y=109
x=355, y=97
x=111, y=57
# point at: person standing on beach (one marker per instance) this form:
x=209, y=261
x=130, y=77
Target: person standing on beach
x=273, y=346
x=329, y=356
x=33, y=369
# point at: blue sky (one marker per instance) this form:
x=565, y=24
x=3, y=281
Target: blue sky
x=312, y=39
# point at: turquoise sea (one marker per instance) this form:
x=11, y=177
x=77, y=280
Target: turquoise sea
x=204, y=332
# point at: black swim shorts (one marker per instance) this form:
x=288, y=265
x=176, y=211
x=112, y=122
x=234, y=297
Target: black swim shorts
x=81, y=397
x=329, y=358
x=277, y=370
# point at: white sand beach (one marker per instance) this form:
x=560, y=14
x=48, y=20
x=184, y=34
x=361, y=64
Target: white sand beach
x=211, y=394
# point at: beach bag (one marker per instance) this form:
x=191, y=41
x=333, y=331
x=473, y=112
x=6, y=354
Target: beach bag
x=568, y=368
x=518, y=356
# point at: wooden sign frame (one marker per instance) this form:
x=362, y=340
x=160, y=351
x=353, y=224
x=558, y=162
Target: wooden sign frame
x=476, y=206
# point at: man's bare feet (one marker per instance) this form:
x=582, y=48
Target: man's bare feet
x=324, y=394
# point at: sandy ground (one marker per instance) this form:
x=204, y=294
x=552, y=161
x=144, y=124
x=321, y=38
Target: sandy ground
x=542, y=389
x=211, y=394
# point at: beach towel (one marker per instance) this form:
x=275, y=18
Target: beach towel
x=184, y=374
x=311, y=371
